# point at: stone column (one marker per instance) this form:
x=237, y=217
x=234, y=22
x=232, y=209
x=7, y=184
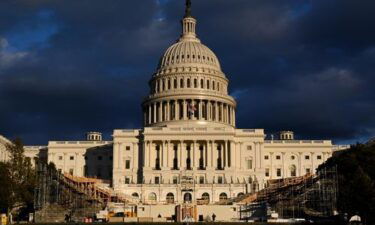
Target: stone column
x=160, y=112
x=200, y=114
x=209, y=154
x=312, y=163
x=154, y=112
x=222, y=112
x=115, y=155
x=160, y=86
x=228, y=154
x=76, y=167
x=233, y=155
x=241, y=156
x=181, y=156
x=168, y=111
x=216, y=112
x=150, y=158
x=135, y=156
x=215, y=155
x=120, y=157
x=176, y=110
x=300, y=163
x=195, y=155
x=165, y=154
x=223, y=155
x=170, y=155
x=271, y=165
x=258, y=155
x=149, y=114
x=144, y=151
x=184, y=110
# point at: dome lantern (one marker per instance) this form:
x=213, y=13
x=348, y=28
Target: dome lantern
x=188, y=25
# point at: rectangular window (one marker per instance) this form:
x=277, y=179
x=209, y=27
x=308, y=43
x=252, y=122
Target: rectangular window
x=220, y=180
x=267, y=172
x=71, y=157
x=278, y=157
x=249, y=164
x=60, y=158
x=127, y=164
x=157, y=180
x=127, y=180
x=266, y=157
x=249, y=147
x=201, y=179
x=175, y=180
x=71, y=172
x=127, y=148
x=308, y=170
x=278, y=172
x=319, y=157
x=307, y=157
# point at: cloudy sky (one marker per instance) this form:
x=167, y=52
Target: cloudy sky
x=67, y=67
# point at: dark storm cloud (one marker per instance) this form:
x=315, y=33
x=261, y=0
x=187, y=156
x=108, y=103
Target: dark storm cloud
x=67, y=67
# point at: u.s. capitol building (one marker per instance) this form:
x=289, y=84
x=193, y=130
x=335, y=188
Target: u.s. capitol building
x=189, y=134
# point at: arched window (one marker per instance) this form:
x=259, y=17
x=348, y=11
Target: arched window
x=195, y=83
x=293, y=171
x=206, y=197
x=202, y=83
x=152, y=197
x=175, y=83
x=169, y=84
x=208, y=84
x=170, y=198
x=213, y=85
x=223, y=196
x=135, y=195
x=187, y=198
x=182, y=83
x=162, y=85
x=188, y=83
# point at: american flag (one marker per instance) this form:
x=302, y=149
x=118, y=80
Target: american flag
x=192, y=109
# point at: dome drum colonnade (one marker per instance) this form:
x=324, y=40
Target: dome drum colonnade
x=189, y=85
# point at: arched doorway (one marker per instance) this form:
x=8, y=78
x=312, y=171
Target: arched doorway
x=240, y=195
x=223, y=197
x=188, y=198
x=152, y=197
x=170, y=198
x=135, y=195
x=206, y=197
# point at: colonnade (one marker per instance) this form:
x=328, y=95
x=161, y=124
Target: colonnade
x=189, y=155
x=189, y=109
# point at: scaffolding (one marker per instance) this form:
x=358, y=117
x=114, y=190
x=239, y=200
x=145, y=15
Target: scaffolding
x=73, y=193
x=309, y=196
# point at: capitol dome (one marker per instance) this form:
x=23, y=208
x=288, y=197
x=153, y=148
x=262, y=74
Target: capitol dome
x=189, y=52
x=189, y=85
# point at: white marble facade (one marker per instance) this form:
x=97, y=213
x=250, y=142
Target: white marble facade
x=189, y=148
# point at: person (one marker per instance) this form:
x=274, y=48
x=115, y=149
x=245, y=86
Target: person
x=213, y=217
